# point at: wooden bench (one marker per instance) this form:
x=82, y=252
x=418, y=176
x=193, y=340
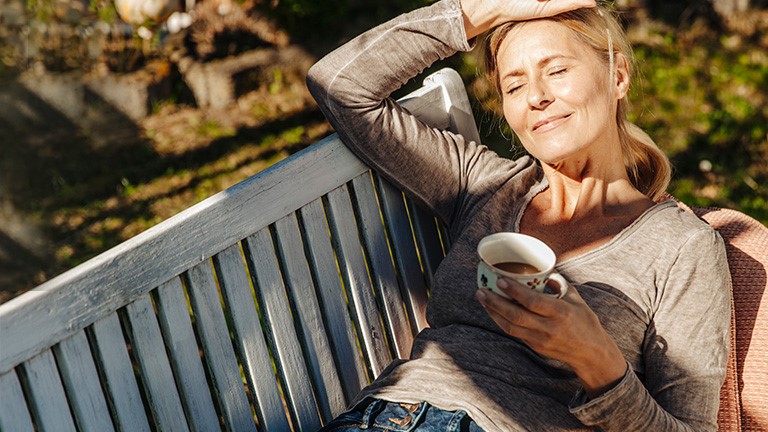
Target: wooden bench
x=269, y=305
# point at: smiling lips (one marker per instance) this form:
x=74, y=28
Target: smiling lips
x=549, y=123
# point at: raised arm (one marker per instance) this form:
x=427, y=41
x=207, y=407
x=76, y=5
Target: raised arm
x=352, y=86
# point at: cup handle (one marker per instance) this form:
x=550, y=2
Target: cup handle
x=557, y=277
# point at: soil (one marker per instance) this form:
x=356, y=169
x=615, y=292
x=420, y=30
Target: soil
x=80, y=173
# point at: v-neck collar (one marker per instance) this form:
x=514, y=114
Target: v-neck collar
x=543, y=184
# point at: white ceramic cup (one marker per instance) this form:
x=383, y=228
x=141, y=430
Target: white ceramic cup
x=519, y=248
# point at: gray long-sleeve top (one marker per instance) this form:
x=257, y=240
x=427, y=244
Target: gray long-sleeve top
x=660, y=287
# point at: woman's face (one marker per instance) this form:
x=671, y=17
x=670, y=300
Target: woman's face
x=557, y=94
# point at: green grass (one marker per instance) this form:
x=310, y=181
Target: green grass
x=705, y=104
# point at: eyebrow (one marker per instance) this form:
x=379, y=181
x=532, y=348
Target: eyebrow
x=541, y=63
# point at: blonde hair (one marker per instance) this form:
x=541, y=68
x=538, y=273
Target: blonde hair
x=647, y=166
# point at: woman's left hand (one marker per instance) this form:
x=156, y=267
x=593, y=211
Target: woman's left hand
x=564, y=329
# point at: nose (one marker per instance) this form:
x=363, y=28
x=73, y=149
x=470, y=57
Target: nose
x=539, y=96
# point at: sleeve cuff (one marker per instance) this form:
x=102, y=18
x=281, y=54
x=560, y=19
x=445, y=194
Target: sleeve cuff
x=461, y=42
x=604, y=407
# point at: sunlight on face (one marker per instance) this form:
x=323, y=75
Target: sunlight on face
x=557, y=94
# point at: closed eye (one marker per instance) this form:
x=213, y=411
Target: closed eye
x=558, y=71
x=513, y=89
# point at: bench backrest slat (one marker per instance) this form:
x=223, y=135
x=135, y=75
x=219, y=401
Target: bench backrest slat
x=46, y=393
x=382, y=270
x=356, y=280
x=176, y=326
x=413, y=285
x=81, y=381
x=333, y=303
x=317, y=348
x=156, y=375
x=14, y=413
x=427, y=238
x=119, y=380
x=220, y=356
x=273, y=300
x=249, y=339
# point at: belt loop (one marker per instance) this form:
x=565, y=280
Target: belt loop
x=419, y=412
x=371, y=410
x=457, y=423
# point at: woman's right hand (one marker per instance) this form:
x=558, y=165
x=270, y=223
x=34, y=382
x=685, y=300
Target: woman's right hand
x=565, y=329
x=482, y=15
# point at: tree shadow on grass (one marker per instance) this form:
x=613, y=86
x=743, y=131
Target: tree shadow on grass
x=49, y=155
x=53, y=153
x=137, y=208
x=52, y=159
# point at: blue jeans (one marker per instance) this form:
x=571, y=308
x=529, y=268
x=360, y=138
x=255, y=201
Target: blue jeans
x=378, y=415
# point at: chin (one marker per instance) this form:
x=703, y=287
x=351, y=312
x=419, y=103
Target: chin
x=551, y=158
x=555, y=153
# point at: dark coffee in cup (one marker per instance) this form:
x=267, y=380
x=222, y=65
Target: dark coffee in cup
x=517, y=267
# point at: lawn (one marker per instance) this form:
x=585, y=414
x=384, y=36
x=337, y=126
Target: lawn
x=74, y=187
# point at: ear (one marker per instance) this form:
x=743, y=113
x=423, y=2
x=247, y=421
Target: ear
x=621, y=76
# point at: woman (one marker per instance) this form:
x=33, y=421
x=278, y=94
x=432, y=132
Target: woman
x=640, y=342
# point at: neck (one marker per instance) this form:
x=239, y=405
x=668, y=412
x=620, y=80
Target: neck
x=579, y=189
